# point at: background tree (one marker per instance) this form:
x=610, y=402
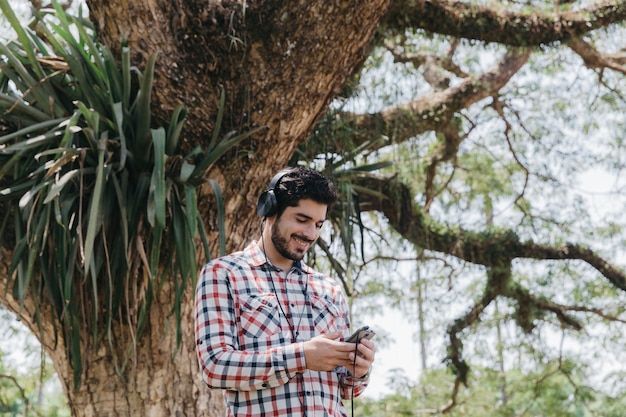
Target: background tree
x=478, y=183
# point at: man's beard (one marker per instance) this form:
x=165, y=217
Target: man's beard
x=282, y=245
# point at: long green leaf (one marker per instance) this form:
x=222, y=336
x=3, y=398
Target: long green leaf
x=95, y=209
x=175, y=128
x=32, y=193
x=362, y=168
x=58, y=186
x=356, y=152
x=22, y=111
x=226, y=144
x=142, y=111
x=34, y=251
x=191, y=209
x=118, y=112
x=221, y=216
x=126, y=74
x=157, y=184
x=204, y=239
x=8, y=167
x=15, y=191
x=32, y=143
x=31, y=129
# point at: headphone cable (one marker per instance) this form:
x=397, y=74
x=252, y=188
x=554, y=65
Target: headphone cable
x=356, y=351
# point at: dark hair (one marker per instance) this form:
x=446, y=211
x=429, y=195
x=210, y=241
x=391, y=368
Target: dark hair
x=302, y=183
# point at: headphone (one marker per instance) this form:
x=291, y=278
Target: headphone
x=267, y=205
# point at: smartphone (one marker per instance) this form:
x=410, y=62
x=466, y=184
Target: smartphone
x=362, y=333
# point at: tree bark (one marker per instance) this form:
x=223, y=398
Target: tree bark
x=158, y=379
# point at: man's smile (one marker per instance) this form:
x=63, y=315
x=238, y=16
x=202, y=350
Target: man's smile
x=302, y=241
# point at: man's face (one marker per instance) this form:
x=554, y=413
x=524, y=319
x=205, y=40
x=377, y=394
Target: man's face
x=295, y=231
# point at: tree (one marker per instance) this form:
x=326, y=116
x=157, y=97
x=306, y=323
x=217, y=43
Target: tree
x=277, y=67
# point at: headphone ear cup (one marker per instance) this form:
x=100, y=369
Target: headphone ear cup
x=267, y=204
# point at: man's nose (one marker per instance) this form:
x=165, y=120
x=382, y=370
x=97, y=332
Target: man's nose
x=312, y=231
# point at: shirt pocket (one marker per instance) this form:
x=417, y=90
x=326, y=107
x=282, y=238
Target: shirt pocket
x=259, y=316
x=325, y=315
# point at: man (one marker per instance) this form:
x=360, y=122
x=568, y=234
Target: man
x=270, y=329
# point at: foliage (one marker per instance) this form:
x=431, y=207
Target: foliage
x=96, y=194
x=557, y=390
x=509, y=182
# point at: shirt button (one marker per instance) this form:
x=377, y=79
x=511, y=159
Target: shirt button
x=308, y=393
x=265, y=385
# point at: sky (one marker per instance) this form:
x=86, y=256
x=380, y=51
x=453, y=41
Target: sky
x=402, y=352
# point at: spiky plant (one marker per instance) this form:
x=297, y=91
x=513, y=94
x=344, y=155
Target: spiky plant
x=93, y=196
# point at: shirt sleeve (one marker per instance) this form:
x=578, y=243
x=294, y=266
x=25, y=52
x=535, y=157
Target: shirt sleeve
x=351, y=387
x=222, y=363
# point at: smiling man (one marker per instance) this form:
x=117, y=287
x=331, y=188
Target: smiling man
x=270, y=329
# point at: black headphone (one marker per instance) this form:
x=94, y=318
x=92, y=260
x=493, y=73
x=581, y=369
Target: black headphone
x=267, y=205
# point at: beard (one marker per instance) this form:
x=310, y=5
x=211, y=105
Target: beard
x=282, y=245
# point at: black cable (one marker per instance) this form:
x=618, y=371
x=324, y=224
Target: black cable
x=356, y=351
x=294, y=333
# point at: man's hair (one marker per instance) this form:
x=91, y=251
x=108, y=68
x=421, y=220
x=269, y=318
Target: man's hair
x=302, y=183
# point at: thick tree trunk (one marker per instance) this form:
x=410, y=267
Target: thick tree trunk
x=158, y=380
x=280, y=64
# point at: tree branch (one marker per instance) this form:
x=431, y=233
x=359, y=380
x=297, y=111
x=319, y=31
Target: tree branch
x=496, y=24
x=431, y=112
x=596, y=60
x=491, y=248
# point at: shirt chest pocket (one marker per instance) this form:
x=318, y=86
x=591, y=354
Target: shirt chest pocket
x=259, y=315
x=325, y=315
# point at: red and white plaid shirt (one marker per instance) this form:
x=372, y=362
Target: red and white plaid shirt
x=246, y=345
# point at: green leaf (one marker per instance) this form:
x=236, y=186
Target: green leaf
x=23, y=112
x=58, y=186
x=175, y=128
x=142, y=110
x=95, y=208
x=126, y=74
x=157, y=183
x=32, y=143
x=220, y=215
x=227, y=143
x=118, y=111
x=25, y=132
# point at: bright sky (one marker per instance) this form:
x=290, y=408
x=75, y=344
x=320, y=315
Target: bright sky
x=402, y=352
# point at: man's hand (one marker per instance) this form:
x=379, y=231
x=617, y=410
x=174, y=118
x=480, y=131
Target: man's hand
x=326, y=352
x=366, y=350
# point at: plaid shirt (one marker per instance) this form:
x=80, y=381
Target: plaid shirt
x=246, y=345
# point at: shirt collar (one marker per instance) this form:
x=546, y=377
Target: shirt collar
x=257, y=257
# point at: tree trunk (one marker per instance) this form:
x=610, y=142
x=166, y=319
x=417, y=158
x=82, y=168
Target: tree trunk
x=160, y=381
x=280, y=64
